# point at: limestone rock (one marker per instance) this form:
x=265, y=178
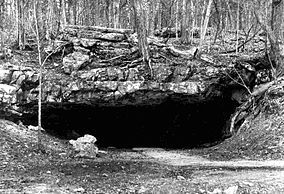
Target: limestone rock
x=182, y=73
x=5, y=76
x=74, y=61
x=85, y=146
x=231, y=190
x=45, y=188
x=162, y=72
x=7, y=94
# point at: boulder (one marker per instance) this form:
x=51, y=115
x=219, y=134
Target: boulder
x=7, y=94
x=85, y=146
x=5, y=76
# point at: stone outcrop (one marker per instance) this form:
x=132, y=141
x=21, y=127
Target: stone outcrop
x=15, y=82
x=102, y=67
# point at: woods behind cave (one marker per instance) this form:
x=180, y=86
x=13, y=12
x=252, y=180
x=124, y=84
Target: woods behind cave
x=189, y=23
x=182, y=17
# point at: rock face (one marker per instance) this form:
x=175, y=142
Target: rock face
x=104, y=68
x=108, y=85
x=15, y=81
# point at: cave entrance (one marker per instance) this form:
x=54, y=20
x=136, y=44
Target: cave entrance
x=171, y=124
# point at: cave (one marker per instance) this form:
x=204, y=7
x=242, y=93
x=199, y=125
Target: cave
x=172, y=123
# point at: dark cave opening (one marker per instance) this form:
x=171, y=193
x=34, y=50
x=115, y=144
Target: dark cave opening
x=171, y=124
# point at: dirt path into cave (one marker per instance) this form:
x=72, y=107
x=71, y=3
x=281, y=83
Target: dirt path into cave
x=179, y=158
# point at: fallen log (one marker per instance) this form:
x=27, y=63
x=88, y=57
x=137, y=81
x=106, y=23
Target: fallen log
x=114, y=37
x=99, y=29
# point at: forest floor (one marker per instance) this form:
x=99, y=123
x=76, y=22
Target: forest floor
x=23, y=169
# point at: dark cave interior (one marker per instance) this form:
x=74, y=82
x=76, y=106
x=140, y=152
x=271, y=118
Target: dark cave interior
x=171, y=124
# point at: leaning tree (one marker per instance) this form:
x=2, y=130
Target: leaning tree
x=274, y=30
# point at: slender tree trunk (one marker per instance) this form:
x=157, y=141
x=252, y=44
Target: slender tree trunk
x=277, y=25
x=229, y=18
x=159, y=23
x=107, y=13
x=116, y=14
x=184, y=25
x=147, y=13
x=1, y=24
x=216, y=5
x=202, y=16
x=63, y=14
x=237, y=27
x=139, y=9
x=155, y=10
x=177, y=17
x=74, y=12
x=205, y=23
x=40, y=72
x=49, y=21
x=21, y=29
x=110, y=12
x=193, y=16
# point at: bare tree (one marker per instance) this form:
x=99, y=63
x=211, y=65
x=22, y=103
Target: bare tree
x=275, y=33
x=41, y=62
x=205, y=23
x=184, y=23
x=140, y=9
x=238, y=26
x=63, y=13
x=21, y=23
x=1, y=24
x=40, y=72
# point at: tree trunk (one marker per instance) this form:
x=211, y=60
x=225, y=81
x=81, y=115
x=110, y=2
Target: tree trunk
x=139, y=9
x=177, y=18
x=277, y=25
x=159, y=22
x=63, y=14
x=184, y=25
x=116, y=14
x=74, y=12
x=40, y=73
x=1, y=24
x=21, y=29
x=237, y=26
x=194, y=18
x=229, y=18
x=275, y=34
x=205, y=23
x=49, y=21
x=216, y=5
x=155, y=10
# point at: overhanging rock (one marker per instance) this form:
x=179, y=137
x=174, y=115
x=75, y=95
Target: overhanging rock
x=108, y=86
x=109, y=72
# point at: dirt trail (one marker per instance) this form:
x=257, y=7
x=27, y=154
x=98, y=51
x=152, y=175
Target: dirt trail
x=182, y=159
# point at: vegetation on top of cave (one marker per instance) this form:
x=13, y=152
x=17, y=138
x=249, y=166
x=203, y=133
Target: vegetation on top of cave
x=233, y=26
